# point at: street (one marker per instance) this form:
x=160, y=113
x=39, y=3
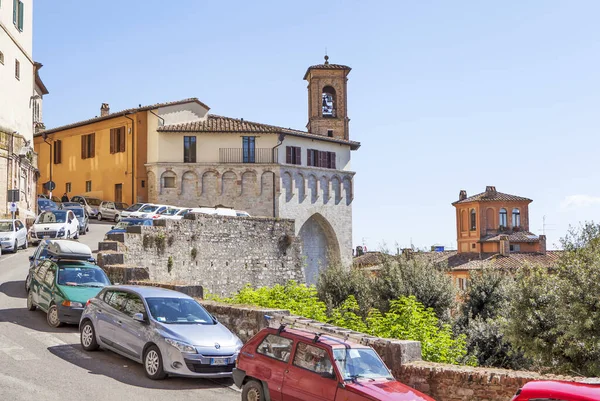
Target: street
x=39, y=362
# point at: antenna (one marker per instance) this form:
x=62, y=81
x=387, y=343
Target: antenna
x=545, y=225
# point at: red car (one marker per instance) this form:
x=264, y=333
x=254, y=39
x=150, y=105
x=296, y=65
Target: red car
x=295, y=365
x=558, y=390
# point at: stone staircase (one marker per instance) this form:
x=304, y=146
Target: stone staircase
x=111, y=258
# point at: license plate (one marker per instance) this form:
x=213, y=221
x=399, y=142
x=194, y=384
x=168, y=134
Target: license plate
x=218, y=361
x=46, y=237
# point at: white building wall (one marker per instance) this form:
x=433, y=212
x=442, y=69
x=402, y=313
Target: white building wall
x=342, y=151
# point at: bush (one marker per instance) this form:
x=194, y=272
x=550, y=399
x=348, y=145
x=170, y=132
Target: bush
x=337, y=284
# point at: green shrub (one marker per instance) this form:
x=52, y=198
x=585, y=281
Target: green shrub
x=336, y=284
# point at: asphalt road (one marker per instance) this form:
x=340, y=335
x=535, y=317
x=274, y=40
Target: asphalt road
x=38, y=362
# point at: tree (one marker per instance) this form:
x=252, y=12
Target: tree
x=336, y=284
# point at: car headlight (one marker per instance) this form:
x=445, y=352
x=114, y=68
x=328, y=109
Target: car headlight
x=181, y=346
x=5, y=239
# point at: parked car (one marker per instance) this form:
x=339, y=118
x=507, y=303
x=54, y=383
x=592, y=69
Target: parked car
x=13, y=235
x=167, y=331
x=133, y=208
x=179, y=215
x=66, y=205
x=299, y=365
x=45, y=204
x=39, y=255
x=149, y=211
x=90, y=205
x=122, y=225
x=220, y=211
x=170, y=212
x=54, y=224
x=82, y=218
x=241, y=213
x=111, y=210
x=63, y=283
x=558, y=390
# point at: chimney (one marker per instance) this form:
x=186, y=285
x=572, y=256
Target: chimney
x=104, y=110
x=504, y=245
x=462, y=195
x=490, y=190
x=542, y=244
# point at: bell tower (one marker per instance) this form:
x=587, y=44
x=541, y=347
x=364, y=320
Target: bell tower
x=327, y=100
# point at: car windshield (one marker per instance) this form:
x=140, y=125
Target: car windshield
x=134, y=208
x=78, y=212
x=149, y=208
x=55, y=216
x=355, y=363
x=6, y=226
x=93, y=201
x=178, y=311
x=71, y=204
x=127, y=223
x=46, y=203
x=120, y=206
x=169, y=211
x=183, y=212
x=80, y=276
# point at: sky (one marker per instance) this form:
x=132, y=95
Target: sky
x=443, y=96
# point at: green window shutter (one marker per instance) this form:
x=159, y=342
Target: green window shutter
x=15, y=11
x=21, y=16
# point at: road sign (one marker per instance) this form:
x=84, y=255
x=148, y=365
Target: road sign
x=13, y=195
x=50, y=185
x=13, y=207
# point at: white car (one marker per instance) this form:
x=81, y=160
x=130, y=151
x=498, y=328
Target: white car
x=174, y=213
x=133, y=208
x=13, y=235
x=55, y=224
x=220, y=211
x=149, y=212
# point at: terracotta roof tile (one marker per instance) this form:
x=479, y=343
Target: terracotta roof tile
x=369, y=259
x=215, y=123
x=492, y=196
x=326, y=66
x=520, y=236
x=120, y=113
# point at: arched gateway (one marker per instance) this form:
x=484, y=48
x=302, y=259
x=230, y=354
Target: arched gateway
x=320, y=246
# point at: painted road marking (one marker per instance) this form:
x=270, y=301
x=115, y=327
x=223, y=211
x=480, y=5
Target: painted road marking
x=14, y=350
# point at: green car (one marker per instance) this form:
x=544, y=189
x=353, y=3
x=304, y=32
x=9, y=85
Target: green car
x=62, y=284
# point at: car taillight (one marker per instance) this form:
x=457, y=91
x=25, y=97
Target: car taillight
x=88, y=302
x=156, y=216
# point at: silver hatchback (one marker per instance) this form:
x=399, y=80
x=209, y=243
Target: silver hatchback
x=167, y=331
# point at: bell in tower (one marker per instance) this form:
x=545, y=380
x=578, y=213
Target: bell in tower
x=327, y=99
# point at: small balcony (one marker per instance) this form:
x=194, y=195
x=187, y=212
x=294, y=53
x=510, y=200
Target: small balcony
x=251, y=155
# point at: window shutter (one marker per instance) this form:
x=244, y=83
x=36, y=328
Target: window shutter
x=93, y=145
x=122, y=139
x=15, y=10
x=112, y=140
x=322, y=159
x=83, y=146
x=288, y=154
x=298, y=155
x=332, y=164
x=193, y=150
x=309, y=159
x=21, y=15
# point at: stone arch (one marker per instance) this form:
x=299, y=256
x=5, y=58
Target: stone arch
x=249, y=183
x=313, y=187
x=152, y=192
x=229, y=185
x=287, y=185
x=464, y=220
x=320, y=246
x=301, y=187
x=490, y=215
x=336, y=188
x=328, y=102
x=209, y=183
x=168, y=181
x=324, y=187
x=189, y=184
x=348, y=190
x=266, y=183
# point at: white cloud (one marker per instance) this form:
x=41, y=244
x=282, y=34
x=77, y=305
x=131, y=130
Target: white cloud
x=579, y=201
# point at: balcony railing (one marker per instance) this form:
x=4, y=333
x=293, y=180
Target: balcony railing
x=240, y=155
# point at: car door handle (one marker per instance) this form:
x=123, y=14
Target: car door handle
x=99, y=310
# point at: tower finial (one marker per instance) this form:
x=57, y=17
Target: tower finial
x=326, y=59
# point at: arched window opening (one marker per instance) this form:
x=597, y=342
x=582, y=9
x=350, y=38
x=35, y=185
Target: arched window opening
x=516, y=217
x=503, y=222
x=329, y=102
x=473, y=220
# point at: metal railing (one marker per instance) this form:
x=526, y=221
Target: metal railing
x=241, y=155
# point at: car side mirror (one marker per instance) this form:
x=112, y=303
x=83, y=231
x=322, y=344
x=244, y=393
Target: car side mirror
x=139, y=317
x=112, y=227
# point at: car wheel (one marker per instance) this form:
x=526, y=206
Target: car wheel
x=252, y=391
x=87, y=229
x=153, y=365
x=88, y=337
x=117, y=218
x=26, y=244
x=26, y=284
x=99, y=216
x=30, y=305
x=68, y=235
x=76, y=236
x=52, y=317
x=15, y=247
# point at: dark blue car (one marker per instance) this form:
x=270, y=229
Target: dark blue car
x=45, y=204
x=122, y=225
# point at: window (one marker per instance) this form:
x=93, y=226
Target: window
x=473, y=220
x=168, y=182
x=515, y=247
x=50, y=276
x=143, y=184
x=276, y=347
x=1, y=58
x=18, y=13
x=462, y=284
x=328, y=105
x=248, y=145
x=68, y=187
x=41, y=270
x=116, y=299
x=473, y=246
x=516, y=217
x=57, y=151
x=88, y=186
x=88, y=145
x=17, y=70
x=293, y=155
x=189, y=149
x=330, y=133
x=117, y=140
x=312, y=358
x=317, y=158
x=503, y=218
x=118, y=193
x=133, y=305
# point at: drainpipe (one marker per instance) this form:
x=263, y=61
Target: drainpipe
x=163, y=120
x=280, y=141
x=132, y=158
x=44, y=137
